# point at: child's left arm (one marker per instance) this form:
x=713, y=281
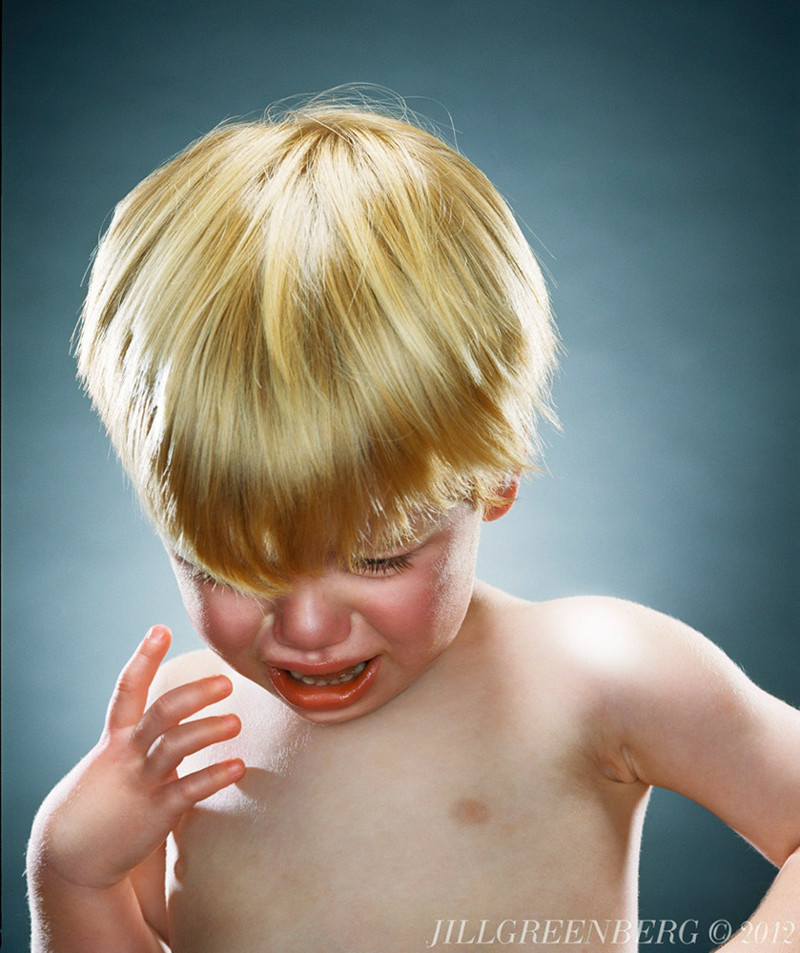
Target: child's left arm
x=688, y=719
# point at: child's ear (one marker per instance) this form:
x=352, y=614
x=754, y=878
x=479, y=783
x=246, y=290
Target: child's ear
x=508, y=491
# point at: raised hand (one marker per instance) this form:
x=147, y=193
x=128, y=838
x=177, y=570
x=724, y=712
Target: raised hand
x=120, y=802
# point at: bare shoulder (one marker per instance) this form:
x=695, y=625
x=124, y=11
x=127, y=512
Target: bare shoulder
x=597, y=636
x=623, y=669
x=641, y=666
x=188, y=667
x=641, y=656
x=584, y=653
x=248, y=700
x=670, y=708
x=617, y=642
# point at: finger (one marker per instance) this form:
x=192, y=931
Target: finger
x=180, y=703
x=179, y=796
x=130, y=694
x=189, y=738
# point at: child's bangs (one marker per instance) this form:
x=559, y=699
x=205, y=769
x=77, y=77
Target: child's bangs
x=260, y=530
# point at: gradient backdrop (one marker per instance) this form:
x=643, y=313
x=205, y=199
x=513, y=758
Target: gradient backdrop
x=650, y=147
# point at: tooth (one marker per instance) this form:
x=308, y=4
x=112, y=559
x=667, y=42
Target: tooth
x=330, y=680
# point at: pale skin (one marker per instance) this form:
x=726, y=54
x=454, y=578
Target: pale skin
x=496, y=767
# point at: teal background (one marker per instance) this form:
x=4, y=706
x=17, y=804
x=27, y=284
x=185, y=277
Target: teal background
x=651, y=151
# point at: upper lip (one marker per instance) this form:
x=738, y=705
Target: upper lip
x=318, y=668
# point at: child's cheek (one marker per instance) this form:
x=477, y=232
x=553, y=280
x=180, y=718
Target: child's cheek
x=226, y=620
x=422, y=613
x=454, y=580
x=412, y=607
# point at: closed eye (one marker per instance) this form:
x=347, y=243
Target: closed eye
x=196, y=574
x=386, y=566
x=200, y=575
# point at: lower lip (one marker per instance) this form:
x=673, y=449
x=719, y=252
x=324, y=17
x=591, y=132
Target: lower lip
x=323, y=697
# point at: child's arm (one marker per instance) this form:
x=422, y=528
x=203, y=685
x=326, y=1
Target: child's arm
x=776, y=922
x=96, y=838
x=688, y=719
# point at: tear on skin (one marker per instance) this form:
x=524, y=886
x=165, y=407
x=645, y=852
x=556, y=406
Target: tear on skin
x=469, y=810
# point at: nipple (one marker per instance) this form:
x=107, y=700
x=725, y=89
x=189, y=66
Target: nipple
x=469, y=810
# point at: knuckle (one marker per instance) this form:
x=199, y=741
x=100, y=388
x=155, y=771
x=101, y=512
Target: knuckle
x=162, y=709
x=189, y=790
x=126, y=682
x=166, y=750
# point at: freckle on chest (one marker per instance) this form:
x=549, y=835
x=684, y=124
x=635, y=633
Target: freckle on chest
x=468, y=810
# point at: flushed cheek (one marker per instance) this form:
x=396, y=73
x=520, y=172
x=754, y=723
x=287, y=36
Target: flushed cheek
x=426, y=609
x=227, y=621
x=415, y=624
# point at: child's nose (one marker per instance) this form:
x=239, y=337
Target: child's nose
x=311, y=617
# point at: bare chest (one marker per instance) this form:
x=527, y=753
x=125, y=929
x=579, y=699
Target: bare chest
x=374, y=837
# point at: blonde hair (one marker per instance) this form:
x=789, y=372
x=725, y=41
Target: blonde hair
x=302, y=333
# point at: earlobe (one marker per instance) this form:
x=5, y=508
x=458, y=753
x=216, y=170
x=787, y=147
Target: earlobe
x=508, y=492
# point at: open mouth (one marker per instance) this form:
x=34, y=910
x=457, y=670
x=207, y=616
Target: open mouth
x=326, y=692
x=337, y=678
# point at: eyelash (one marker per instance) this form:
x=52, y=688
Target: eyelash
x=201, y=576
x=389, y=566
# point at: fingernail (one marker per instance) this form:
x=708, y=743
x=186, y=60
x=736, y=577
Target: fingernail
x=156, y=635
